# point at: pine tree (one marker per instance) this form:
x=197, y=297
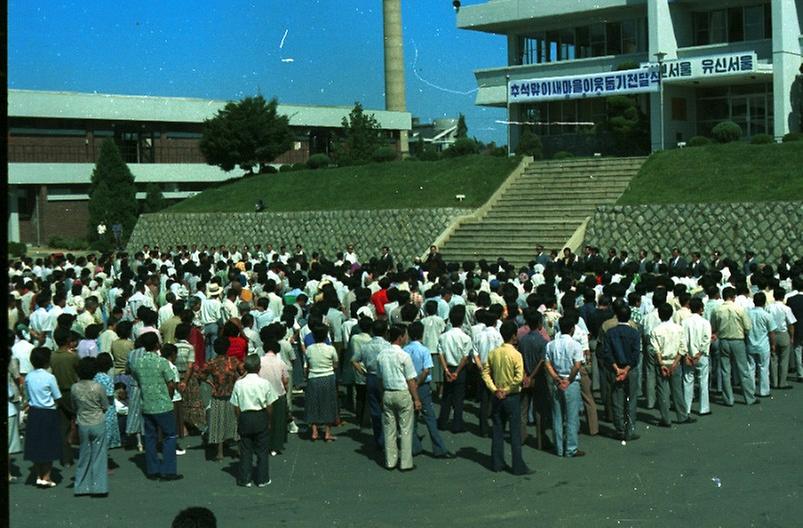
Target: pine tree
x=112, y=197
x=249, y=134
x=462, y=129
x=154, y=199
x=362, y=137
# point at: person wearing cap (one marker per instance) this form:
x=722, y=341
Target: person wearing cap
x=211, y=316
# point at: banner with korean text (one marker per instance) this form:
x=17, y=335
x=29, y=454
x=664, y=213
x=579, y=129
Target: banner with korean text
x=708, y=66
x=623, y=82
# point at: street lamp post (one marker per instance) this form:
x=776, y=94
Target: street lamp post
x=660, y=56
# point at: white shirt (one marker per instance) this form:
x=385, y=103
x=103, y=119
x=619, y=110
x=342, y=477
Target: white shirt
x=783, y=316
x=698, y=335
x=455, y=345
x=21, y=351
x=165, y=313
x=486, y=340
x=211, y=311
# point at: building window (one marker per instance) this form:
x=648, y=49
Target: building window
x=732, y=25
x=598, y=40
x=583, y=39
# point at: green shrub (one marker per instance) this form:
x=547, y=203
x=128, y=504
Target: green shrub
x=562, y=154
x=727, y=132
x=499, y=152
x=429, y=155
x=17, y=249
x=383, y=154
x=762, y=139
x=299, y=166
x=318, y=161
x=285, y=168
x=462, y=147
x=793, y=136
x=71, y=244
x=530, y=145
x=269, y=169
x=698, y=141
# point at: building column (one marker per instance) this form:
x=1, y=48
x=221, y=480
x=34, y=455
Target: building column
x=13, y=215
x=661, y=36
x=786, y=64
x=395, y=99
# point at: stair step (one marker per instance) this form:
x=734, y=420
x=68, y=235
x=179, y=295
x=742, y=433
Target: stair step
x=519, y=226
x=556, y=195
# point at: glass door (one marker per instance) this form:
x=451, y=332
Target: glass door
x=740, y=110
x=757, y=123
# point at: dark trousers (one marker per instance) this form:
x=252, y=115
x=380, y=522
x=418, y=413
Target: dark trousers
x=428, y=413
x=624, y=398
x=539, y=397
x=66, y=417
x=164, y=423
x=454, y=394
x=375, y=407
x=605, y=391
x=359, y=410
x=278, y=424
x=254, y=440
x=507, y=411
x=485, y=408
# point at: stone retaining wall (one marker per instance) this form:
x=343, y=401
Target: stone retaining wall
x=408, y=232
x=768, y=228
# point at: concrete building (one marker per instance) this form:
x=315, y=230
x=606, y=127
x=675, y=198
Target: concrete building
x=438, y=135
x=722, y=60
x=54, y=139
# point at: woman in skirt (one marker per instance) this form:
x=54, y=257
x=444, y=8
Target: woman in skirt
x=321, y=391
x=42, y=435
x=134, y=424
x=104, y=365
x=221, y=372
x=91, y=403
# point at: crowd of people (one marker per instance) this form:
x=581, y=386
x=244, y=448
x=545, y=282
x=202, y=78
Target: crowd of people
x=143, y=351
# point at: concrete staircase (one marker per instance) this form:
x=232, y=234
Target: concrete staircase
x=543, y=204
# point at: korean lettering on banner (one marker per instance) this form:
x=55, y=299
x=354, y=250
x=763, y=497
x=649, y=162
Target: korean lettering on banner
x=730, y=64
x=676, y=69
x=592, y=85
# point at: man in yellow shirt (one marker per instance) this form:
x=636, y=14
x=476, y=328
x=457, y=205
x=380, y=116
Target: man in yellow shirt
x=503, y=374
x=731, y=324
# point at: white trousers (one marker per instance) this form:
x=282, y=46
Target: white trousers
x=701, y=372
x=760, y=358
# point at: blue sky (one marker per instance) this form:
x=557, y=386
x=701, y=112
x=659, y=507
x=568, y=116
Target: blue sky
x=231, y=49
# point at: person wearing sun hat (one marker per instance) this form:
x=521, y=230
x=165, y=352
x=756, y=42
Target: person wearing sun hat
x=212, y=316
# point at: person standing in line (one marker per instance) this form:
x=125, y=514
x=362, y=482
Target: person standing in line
x=535, y=390
x=43, y=442
x=356, y=342
x=273, y=369
x=761, y=343
x=156, y=383
x=454, y=347
x=365, y=361
x=400, y=400
x=90, y=403
x=485, y=340
x=252, y=398
x=794, y=300
x=669, y=343
x=564, y=359
x=698, y=344
x=620, y=357
x=503, y=374
x=422, y=361
x=63, y=364
x=731, y=324
x=784, y=337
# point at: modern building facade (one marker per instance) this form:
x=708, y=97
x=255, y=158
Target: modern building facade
x=720, y=60
x=439, y=135
x=54, y=139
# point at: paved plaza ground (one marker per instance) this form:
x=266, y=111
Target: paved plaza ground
x=741, y=466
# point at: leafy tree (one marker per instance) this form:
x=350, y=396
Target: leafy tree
x=249, y=133
x=362, y=137
x=112, y=197
x=462, y=129
x=154, y=199
x=529, y=145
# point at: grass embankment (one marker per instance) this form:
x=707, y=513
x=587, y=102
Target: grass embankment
x=734, y=172
x=394, y=185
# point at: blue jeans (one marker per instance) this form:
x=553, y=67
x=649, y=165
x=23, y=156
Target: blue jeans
x=566, y=411
x=428, y=413
x=210, y=334
x=375, y=407
x=166, y=423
